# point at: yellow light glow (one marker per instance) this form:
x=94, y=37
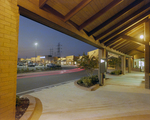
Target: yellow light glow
x=141, y=36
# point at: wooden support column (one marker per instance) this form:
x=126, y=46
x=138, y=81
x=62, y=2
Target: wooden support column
x=129, y=65
x=99, y=70
x=123, y=64
x=147, y=54
x=102, y=66
x=132, y=63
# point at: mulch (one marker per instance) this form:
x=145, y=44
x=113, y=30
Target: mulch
x=20, y=109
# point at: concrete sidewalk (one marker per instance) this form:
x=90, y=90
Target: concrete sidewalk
x=122, y=98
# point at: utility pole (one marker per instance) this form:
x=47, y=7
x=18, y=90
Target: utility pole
x=51, y=54
x=59, y=48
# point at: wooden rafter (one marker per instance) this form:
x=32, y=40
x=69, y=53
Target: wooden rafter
x=116, y=42
x=136, y=50
x=53, y=11
x=42, y=3
x=124, y=46
x=115, y=17
x=122, y=21
x=123, y=29
x=132, y=48
x=76, y=9
x=119, y=41
x=127, y=47
x=121, y=44
x=101, y=12
x=74, y=24
x=135, y=40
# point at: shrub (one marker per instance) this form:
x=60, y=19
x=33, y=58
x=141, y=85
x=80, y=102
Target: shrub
x=37, y=68
x=88, y=81
x=27, y=70
x=18, y=70
x=32, y=70
x=18, y=101
x=41, y=69
x=116, y=72
x=22, y=70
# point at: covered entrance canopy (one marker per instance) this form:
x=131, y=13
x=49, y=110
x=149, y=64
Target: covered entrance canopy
x=111, y=24
x=114, y=25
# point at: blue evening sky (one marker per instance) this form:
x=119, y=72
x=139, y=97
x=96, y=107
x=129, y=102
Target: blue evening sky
x=47, y=38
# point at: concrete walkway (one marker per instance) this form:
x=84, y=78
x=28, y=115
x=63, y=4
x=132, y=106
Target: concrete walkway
x=122, y=98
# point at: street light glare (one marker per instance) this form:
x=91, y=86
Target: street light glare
x=36, y=43
x=141, y=36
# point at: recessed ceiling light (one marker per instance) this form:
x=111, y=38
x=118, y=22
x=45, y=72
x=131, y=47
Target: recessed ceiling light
x=141, y=36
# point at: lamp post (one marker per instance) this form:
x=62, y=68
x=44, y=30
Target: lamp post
x=35, y=51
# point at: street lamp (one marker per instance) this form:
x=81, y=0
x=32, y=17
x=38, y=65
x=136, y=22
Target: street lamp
x=35, y=51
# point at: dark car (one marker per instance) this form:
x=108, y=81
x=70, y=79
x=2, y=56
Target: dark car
x=21, y=64
x=51, y=65
x=31, y=65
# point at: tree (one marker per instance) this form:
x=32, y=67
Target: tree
x=115, y=61
x=88, y=63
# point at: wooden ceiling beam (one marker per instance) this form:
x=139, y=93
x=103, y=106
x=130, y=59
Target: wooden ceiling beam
x=118, y=42
x=113, y=18
x=42, y=3
x=126, y=26
x=124, y=46
x=76, y=9
x=123, y=21
x=143, y=16
x=121, y=45
x=132, y=48
x=53, y=11
x=136, y=50
x=127, y=47
x=101, y=12
x=135, y=40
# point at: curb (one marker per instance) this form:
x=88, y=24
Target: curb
x=34, y=109
x=92, y=88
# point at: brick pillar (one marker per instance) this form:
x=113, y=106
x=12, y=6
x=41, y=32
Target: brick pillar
x=9, y=24
x=147, y=54
x=123, y=64
x=129, y=65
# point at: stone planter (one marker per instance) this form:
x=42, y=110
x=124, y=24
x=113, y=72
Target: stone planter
x=92, y=88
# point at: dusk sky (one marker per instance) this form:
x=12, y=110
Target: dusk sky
x=47, y=38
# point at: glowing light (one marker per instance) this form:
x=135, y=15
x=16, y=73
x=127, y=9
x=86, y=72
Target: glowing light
x=141, y=36
x=42, y=57
x=102, y=61
x=36, y=43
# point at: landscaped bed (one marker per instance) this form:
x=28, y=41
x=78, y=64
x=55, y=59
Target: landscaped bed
x=116, y=72
x=88, y=81
x=21, y=106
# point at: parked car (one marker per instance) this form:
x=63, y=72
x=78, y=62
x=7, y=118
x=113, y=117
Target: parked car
x=51, y=65
x=58, y=66
x=41, y=64
x=31, y=65
x=21, y=64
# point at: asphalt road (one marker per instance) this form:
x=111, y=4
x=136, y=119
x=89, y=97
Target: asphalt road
x=28, y=85
x=63, y=67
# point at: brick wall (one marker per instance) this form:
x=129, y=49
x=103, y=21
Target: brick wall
x=9, y=24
